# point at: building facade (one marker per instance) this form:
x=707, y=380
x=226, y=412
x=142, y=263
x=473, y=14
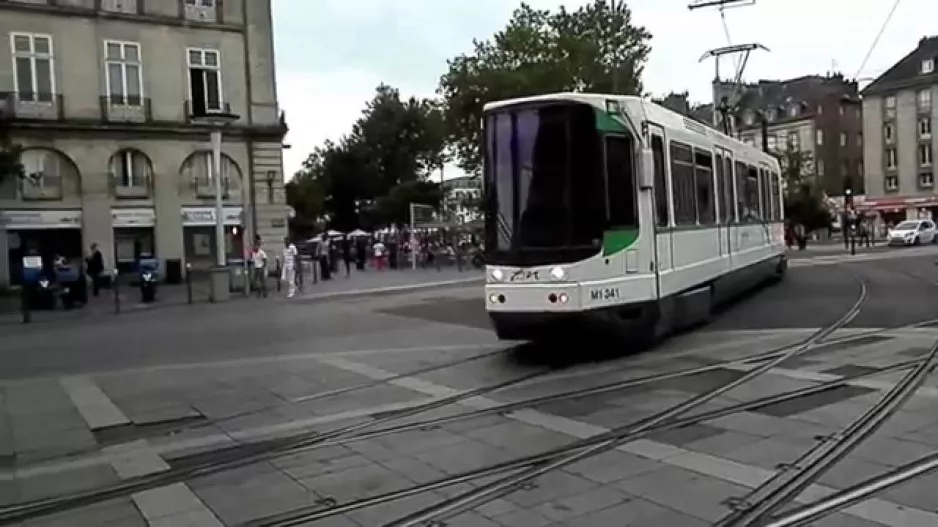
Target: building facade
x=101, y=96
x=462, y=197
x=899, y=112
x=819, y=115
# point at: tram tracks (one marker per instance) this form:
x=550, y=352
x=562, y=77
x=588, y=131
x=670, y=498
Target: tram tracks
x=274, y=448
x=257, y=451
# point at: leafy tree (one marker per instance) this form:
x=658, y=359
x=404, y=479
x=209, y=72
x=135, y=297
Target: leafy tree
x=403, y=140
x=394, y=143
x=804, y=199
x=540, y=51
x=394, y=208
x=10, y=166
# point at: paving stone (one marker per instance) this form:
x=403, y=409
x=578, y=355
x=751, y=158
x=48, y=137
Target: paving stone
x=686, y=434
x=381, y=514
x=851, y=471
x=522, y=518
x=670, y=518
x=355, y=483
x=582, y=503
x=108, y=514
x=471, y=519
x=684, y=491
x=612, y=466
x=420, y=440
x=770, y=453
x=497, y=507
x=61, y=483
x=630, y=513
x=255, y=498
x=891, y=452
x=199, y=518
x=551, y=486
x=919, y=493
x=718, y=445
x=414, y=469
x=463, y=456
x=844, y=520
x=519, y=437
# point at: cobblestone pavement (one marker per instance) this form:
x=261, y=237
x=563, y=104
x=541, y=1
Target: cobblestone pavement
x=86, y=407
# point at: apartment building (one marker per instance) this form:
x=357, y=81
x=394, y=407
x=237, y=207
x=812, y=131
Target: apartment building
x=898, y=116
x=101, y=94
x=462, y=197
x=819, y=115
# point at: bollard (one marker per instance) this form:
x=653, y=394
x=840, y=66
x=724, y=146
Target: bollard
x=24, y=304
x=853, y=245
x=116, y=287
x=279, y=275
x=189, y=282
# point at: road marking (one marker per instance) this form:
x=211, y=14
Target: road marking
x=388, y=289
x=875, y=509
x=94, y=406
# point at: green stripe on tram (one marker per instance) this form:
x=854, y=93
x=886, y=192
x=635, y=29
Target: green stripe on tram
x=607, y=122
x=618, y=240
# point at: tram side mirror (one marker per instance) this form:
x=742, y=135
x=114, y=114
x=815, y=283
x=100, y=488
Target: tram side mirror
x=646, y=176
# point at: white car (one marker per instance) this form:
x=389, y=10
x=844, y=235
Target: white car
x=912, y=232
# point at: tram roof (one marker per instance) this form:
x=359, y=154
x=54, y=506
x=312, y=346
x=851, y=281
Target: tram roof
x=647, y=110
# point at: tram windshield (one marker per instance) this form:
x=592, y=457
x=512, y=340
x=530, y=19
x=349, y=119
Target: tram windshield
x=545, y=186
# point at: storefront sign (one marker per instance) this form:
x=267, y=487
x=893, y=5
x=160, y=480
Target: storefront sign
x=205, y=216
x=40, y=219
x=133, y=217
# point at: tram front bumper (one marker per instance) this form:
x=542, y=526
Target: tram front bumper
x=533, y=298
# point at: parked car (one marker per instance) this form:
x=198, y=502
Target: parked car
x=912, y=232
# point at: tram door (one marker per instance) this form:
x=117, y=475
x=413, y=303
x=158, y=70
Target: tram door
x=663, y=244
x=725, y=186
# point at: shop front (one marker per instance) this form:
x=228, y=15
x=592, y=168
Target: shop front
x=198, y=225
x=888, y=212
x=45, y=233
x=133, y=236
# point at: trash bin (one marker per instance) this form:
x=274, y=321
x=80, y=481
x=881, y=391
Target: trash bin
x=173, y=271
x=238, y=276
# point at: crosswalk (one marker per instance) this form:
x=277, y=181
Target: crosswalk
x=843, y=258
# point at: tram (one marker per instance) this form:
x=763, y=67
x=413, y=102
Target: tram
x=620, y=214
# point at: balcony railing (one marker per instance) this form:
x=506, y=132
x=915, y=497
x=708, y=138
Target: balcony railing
x=45, y=106
x=191, y=110
x=204, y=187
x=41, y=187
x=126, y=109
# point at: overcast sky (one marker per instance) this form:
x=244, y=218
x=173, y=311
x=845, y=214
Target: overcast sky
x=331, y=54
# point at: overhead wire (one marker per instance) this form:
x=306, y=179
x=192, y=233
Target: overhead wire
x=879, y=35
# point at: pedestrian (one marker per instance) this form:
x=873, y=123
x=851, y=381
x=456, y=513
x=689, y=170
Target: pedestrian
x=259, y=259
x=95, y=268
x=289, y=267
x=347, y=255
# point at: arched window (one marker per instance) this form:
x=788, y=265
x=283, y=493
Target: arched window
x=131, y=169
x=44, y=171
x=197, y=170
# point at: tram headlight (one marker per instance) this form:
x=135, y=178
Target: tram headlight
x=558, y=273
x=498, y=274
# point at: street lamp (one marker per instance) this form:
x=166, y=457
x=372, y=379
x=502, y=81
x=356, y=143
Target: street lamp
x=221, y=281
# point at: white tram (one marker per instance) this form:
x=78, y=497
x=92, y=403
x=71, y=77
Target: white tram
x=616, y=211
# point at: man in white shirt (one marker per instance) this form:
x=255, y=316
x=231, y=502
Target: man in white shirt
x=289, y=267
x=259, y=259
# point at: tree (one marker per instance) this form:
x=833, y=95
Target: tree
x=394, y=208
x=394, y=143
x=403, y=140
x=540, y=51
x=10, y=166
x=804, y=199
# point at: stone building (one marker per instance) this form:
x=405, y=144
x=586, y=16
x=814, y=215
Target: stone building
x=899, y=113
x=101, y=94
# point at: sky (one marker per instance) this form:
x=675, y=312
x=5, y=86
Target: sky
x=332, y=54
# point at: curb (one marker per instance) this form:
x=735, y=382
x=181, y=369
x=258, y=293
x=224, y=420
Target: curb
x=13, y=319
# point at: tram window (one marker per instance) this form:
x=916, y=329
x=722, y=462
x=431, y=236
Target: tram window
x=741, y=208
x=682, y=185
x=620, y=181
x=776, y=197
x=703, y=183
x=662, y=203
x=721, y=216
x=752, y=194
x=764, y=194
x=729, y=204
